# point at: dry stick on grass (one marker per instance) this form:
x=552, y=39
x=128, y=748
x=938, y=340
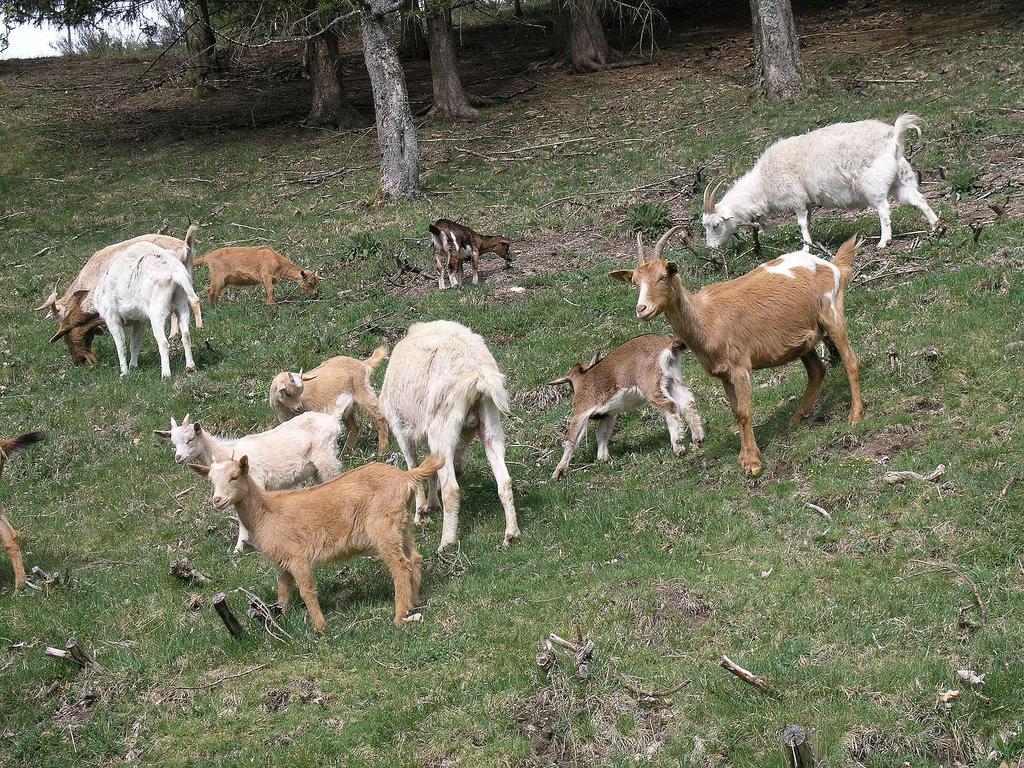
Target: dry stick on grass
x=583, y=652
x=72, y=653
x=220, y=604
x=219, y=680
x=964, y=579
x=744, y=674
x=896, y=477
x=185, y=571
x=652, y=698
x=820, y=510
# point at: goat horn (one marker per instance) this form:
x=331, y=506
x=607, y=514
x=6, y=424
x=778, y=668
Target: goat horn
x=660, y=247
x=640, y=258
x=710, y=195
x=50, y=301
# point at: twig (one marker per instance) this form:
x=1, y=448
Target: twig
x=820, y=510
x=964, y=578
x=220, y=680
x=744, y=674
x=1009, y=484
x=652, y=698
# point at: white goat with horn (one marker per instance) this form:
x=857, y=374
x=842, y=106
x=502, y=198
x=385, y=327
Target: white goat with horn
x=851, y=166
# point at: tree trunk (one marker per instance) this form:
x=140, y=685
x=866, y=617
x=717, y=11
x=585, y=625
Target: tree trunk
x=776, y=49
x=200, y=41
x=330, y=102
x=396, y=132
x=586, y=48
x=450, y=98
x=519, y=8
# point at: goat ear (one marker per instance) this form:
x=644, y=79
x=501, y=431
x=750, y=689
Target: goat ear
x=187, y=420
x=562, y=380
x=199, y=469
x=303, y=274
x=622, y=275
x=672, y=268
x=162, y=433
x=198, y=428
x=174, y=424
x=598, y=356
x=244, y=464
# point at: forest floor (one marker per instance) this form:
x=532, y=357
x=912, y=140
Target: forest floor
x=859, y=610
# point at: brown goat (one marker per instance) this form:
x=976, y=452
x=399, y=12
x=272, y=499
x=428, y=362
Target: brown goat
x=453, y=241
x=774, y=314
x=254, y=266
x=644, y=369
x=368, y=509
x=318, y=390
x=9, y=536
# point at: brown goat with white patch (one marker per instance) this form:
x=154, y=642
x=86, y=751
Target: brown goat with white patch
x=774, y=314
x=9, y=536
x=318, y=390
x=453, y=241
x=254, y=266
x=365, y=510
x=644, y=369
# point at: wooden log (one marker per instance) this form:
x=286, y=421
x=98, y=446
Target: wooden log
x=220, y=604
x=797, y=747
x=744, y=674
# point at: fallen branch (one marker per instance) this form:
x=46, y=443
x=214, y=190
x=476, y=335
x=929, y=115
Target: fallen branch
x=71, y=653
x=897, y=477
x=220, y=680
x=583, y=653
x=820, y=510
x=744, y=674
x=184, y=570
x=652, y=698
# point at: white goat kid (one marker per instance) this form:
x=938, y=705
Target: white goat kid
x=145, y=284
x=851, y=166
x=444, y=388
x=301, y=450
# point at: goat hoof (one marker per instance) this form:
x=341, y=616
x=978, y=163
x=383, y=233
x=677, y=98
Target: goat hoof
x=856, y=415
x=510, y=536
x=752, y=467
x=411, y=617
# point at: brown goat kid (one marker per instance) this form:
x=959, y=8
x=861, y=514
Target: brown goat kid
x=254, y=266
x=642, y=370
x=318, y=390
x=453, y=241
x=774, y=314
x=365, y=510
x=9, y=536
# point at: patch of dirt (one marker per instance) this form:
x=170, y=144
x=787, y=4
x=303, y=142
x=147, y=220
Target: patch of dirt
x=883, y=445
x=76, y=711
x=675, y=598
x=566, y=728
x=299, y=691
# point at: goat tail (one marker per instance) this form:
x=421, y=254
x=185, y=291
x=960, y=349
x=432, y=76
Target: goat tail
x=190, y=247
x=429, y=467
x=843, y=260
x=378, y=356
x=20, y=443
x=193, y=300
x=491, y=384
x=904, y=124
x=342, y=405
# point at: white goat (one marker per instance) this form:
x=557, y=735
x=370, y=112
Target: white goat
x=146, y=283
x=847, y=165
x=444, y=388
x=303, y=449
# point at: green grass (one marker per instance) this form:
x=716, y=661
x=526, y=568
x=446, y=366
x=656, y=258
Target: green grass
x=667, y=563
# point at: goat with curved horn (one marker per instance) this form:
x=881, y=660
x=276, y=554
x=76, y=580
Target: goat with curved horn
x=640, y=256
x=711, y=195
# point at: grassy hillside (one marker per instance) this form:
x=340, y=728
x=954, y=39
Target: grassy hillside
x=666, y=562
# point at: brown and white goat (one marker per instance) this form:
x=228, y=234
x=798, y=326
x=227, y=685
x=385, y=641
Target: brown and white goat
x=774, y=314
x=9, y=536
x=74, y=311
x=254, y=266
x=453, y=241
x=643, y=370
x=365, y=510
x=318, y=390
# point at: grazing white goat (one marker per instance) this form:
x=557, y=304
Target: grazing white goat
x=851, y=166
x=643, y=370
x=303, y=449
x=444, y=388
x=145, y=283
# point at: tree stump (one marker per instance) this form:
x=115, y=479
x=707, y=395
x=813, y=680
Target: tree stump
x=220, y=604
x=798, y=748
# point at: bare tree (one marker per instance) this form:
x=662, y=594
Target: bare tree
x=776, y=49
x=330, y=102
x=396, y=132
x=450, y=99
